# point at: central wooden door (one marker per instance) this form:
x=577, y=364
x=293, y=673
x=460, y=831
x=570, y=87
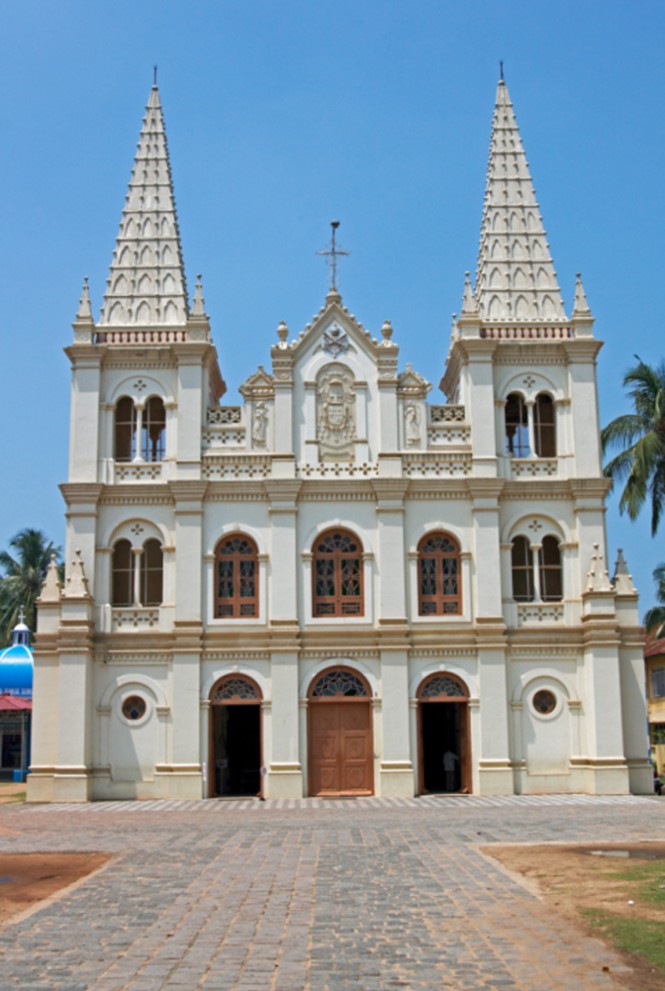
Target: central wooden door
x=340, y=734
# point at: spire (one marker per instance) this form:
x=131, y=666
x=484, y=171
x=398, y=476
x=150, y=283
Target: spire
x=597, y=579
x=580, y=306
x=198, y=303
x=146, y=284
x=76, y=586
x=52, y=588
x=623, y=580
x=84, y=312
x=515, y=280
x=469, y=302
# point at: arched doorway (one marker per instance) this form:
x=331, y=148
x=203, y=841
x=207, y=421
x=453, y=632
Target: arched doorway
x=444, y=763
x=235, y=737
x=340, y=734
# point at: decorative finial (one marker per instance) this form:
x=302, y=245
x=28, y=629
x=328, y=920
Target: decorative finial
x=154, y=76
x=282, y=333
x=51, y=589
x=387, y=330
x=501, y=71
x=84, y=311
x=198, y=303
x=332, y=254
x=21, y=615
x=581, y=304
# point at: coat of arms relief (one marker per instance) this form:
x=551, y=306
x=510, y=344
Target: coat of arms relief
x=335, y=413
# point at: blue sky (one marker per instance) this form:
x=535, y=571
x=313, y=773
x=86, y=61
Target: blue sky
x=283, y=116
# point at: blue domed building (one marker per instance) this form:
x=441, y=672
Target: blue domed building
x=16, y=704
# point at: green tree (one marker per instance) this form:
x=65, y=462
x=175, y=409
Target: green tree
x=641, y=463
x=23, y=577
x=654, y=618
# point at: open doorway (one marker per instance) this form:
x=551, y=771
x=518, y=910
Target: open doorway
x=235, y=739
x=444, y=736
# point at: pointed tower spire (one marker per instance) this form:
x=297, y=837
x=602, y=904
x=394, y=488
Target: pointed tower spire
x=84, y=312
x=469, y=301
x=623, y=580
x=146, y=284
x=515, y=280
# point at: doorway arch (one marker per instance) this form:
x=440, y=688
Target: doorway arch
x=235, y=737
x=444, y=739
x=340, y=734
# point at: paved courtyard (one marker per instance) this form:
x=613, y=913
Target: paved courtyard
x=368, y=894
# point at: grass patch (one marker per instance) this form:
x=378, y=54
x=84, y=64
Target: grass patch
x=650, y=878
x=643, y=937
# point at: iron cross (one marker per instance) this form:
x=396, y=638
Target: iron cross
x=333, y=253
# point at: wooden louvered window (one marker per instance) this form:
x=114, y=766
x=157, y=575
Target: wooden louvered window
x=439, y=590
x=237, y=578
x=544, y=428
x=125, y=430
x=337, y=575
x=549, y=566
x=152, y=574
x=122, y=568
x=524, y=589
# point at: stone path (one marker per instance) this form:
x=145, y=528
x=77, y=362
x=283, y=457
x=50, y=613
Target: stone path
x=367, y=895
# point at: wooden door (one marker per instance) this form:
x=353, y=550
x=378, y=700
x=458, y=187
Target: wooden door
x=340, y=748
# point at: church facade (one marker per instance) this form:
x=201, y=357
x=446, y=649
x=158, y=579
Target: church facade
x=337, y=587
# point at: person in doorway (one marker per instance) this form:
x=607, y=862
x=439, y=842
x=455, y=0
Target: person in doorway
x=450, y=762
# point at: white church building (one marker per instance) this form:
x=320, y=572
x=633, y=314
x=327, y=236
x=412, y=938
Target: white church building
x=338, y=587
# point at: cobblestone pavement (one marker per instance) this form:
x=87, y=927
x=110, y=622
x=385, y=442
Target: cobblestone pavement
x=368, y=895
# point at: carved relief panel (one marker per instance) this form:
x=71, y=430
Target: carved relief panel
x=335, y=413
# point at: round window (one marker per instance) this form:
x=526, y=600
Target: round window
x=544, y=702
x=134, y=708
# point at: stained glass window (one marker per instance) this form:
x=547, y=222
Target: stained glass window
x=439, y=591
x=134, y=708
x=544, y=702
x=442, y=686
x=337, y=575
x=339, y=683
x=235, y=688
x=236, y=577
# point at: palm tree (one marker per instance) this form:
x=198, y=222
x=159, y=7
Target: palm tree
x=642, y=461
x=23, y=578
x=654, y=618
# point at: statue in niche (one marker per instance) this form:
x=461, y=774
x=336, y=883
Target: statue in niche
x=412, y=420
x=336, y=413
x=260, y=426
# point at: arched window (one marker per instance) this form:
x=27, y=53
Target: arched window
x=337, y=575
x=522, y=568
x=152, y=574
x=544, y=427
x=137, y=583
x=537, y=576
x=125, y=430
x=517, y=426
x=439, y=592
x=549, y=566
x=123, y=574
x=153, y=433
x=237, y=578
